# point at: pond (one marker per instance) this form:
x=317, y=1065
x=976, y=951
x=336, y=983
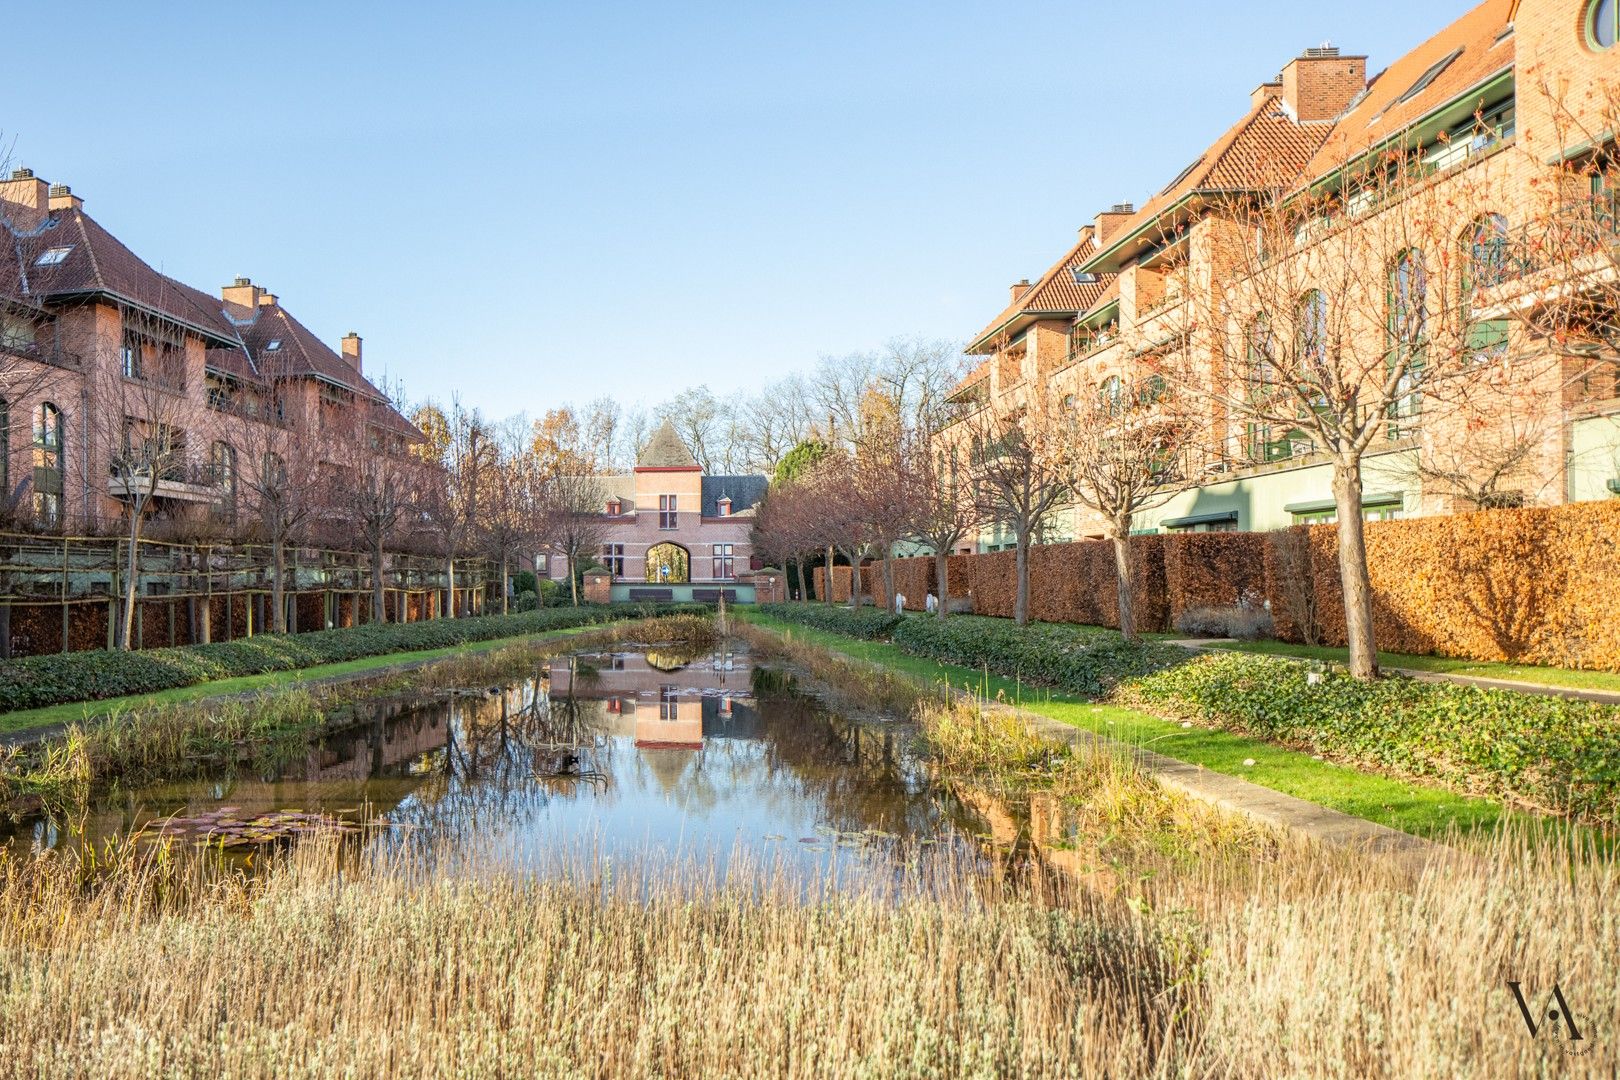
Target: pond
x=711, y=755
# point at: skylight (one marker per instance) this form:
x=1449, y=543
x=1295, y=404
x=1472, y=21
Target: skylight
x=1182, y=175
x=1083, y=278
x=53, y=256
x=275, y=343
x=1428, y=76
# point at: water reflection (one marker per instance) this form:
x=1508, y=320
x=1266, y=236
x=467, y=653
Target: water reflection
x=646, y=748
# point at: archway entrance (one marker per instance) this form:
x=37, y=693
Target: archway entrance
x=668, y=564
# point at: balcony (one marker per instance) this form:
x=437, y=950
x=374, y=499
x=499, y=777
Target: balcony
x=183, y=483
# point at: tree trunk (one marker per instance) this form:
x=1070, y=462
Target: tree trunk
x=1021, y=602
x=573, y=580
x=1353, y=574
x=1125, y=570
x=278, y=587
x=379, y=611
x=131, y=584
x=942, y=582
x=804, y=593
x=450, y=583
x=826, y=579
x=506, y=585
x=854, y=581
x=888, y=580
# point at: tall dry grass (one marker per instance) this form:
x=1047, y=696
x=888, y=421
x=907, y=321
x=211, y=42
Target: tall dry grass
x=1307, y=965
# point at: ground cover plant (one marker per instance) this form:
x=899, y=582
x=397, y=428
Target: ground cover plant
x=39, y=681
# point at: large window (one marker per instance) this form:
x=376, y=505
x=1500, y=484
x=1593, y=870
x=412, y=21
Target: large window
x=1407, y=324
x=666, y=511
x=1484, y=250
x=1259, y=436
x=1602, y=23
x=668, y=564
x=49, y=432
x=613, y=559
x=222, y=471
x=724, y=566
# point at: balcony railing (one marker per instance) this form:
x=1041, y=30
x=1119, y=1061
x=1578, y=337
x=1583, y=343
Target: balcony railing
x=1564, y=238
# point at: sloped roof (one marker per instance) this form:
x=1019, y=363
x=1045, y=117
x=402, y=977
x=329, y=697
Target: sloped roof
x=744, y=492
x=1264, y=147
x=665, y=450
x=297, y=352
x=1109, y=295
x=1058, y=292
x=96, y=262
x=1379, y=115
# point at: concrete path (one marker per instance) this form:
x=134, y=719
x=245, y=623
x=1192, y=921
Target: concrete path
x=1602, y=697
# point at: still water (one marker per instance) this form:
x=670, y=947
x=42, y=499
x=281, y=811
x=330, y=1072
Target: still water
x=645, y=751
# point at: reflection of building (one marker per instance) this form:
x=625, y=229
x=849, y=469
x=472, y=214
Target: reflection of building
x=673, y=532
x=645, y=699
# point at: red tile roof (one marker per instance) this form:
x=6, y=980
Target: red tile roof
x=1380, y=115
x=298, y=351
x=1056, y=293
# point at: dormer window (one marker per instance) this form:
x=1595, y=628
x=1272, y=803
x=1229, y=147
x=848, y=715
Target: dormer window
x=615, y=508
x=725, y=507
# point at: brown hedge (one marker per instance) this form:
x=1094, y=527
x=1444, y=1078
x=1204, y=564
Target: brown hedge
x=1533, y=586
x=840, y=583
x=1217, y=569
x=913, y=577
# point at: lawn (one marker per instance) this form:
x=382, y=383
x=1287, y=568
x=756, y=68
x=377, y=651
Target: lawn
x=1410, y=807
x=1569, y=678
x=26, y=719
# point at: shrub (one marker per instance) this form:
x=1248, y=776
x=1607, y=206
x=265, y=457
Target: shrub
x=552, y=593
x=524, y=581
x=38, y=681
x=525, y=601
x=867, y=623
x=1551, y=753
x=1226, y=621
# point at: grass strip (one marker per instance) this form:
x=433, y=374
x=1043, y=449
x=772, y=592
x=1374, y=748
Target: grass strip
x=1413, y=808
x=28, y=719
x=1564, y=678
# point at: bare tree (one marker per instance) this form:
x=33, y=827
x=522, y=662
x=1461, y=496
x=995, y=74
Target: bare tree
x=572, y=507
x=512, y=501
x=1130, y=448
x=459, y=444
x=1019, y=467
x=941, y=509
x=380, y=491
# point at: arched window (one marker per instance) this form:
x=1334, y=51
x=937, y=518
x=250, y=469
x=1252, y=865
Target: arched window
x=49, y=432
x=1259, y=388
x=1111, y=395
x=273, y=471
x=1311, y=318
x=1602, y=24
x=1152, y=390
x=222, y=470
x=668, y=564
x=1408, y=297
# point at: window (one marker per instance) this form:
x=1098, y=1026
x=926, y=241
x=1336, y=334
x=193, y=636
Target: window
x=666, y=512
x=5, y=447
x=1329, y=515
x=132, y=354
x=668, y=706
x=222, y=471
x=542, y=566
x=1407, y=320
x=1484, y=264
x=724, y=506
x=724, y=566
x=1602, y=24
x=1261, y=388
x=615, y=508
x=1429, y=76
x=16, y=332
x=1152, y=390
x=53, y=256
x=1111, y=395
x=613, y=559
x=274, y=345
x=668, y=564
x=48, y=438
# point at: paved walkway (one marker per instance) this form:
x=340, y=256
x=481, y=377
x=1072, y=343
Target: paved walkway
x=1602, y=697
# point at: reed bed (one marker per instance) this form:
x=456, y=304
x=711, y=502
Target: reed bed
x=1309, y=965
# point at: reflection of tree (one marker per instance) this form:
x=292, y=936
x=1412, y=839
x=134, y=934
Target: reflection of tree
x=668, y=564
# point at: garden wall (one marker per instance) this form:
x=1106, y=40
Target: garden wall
x=1538, y=585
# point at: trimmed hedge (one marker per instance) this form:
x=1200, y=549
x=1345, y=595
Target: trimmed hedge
x=1079, y=659
x=1555, y=754
x=39, y=681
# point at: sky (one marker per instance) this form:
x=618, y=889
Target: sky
x=532, y=204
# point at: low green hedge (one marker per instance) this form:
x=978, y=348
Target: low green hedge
x=1552, y=753
x=1080, y=659
x=38, y=681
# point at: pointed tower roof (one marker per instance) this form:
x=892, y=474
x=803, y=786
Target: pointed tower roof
x=665, y=451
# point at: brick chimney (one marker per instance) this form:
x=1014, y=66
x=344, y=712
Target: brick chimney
x=62, y=198
x=351, y=350
x=1019, y=288
x=26, y=198
x=242, y=292
x=1318, y=84
x=1109, y=221
x=1265, y=90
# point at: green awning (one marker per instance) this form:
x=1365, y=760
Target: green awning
x=1200, y=519
x=1316, y=506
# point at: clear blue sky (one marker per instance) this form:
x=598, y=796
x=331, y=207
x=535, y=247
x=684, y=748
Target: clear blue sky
x=534, y=203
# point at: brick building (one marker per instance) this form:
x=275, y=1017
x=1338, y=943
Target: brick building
x=1153, y=278
x=673, y=532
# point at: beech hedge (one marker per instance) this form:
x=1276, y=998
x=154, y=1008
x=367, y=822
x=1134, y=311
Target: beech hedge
x=1554, y=754
x=38, y=681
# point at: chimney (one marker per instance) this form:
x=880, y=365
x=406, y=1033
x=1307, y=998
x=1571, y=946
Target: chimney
x=267, y=298
x=1019, y=288
x=62, y=198
x=27, y=198
x=1265, y=90
x=351, y=350
x=242, y=292
x=1319, y=84
x=1109, y=221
